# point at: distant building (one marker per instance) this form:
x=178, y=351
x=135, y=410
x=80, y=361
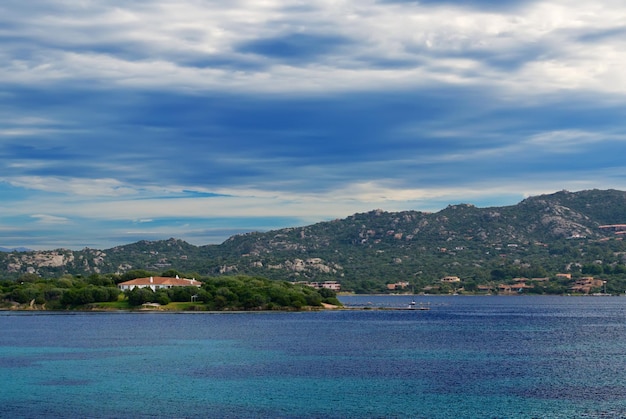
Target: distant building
x=158, y=282
x=617, y=228
x=331, y=285
x=585, y=284
x=450, y=279
x=397, y=285
x=513, y=288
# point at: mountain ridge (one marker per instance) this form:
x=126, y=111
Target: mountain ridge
x=545, y=234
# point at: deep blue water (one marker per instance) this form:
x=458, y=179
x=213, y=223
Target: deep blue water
x=467, y=357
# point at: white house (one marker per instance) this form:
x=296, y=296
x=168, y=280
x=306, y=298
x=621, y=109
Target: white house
x=331, y=285
x=158, y=282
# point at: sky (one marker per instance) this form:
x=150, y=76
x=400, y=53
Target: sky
x=137, y=120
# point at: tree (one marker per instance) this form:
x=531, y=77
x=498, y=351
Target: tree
x=100, y=280
x=182, y=294
x=592, y=269
x=24, y=295
x=470, y=286
x=29, y=278
x=138, y=296
x=171, y=273
x=254, y=301
x=162, y=298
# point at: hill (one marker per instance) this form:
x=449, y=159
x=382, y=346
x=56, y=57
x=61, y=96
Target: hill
x=15, y=249
x=564, y=232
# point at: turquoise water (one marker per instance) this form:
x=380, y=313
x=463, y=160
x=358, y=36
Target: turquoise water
x=467, y=357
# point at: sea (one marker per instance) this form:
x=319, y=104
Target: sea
x=460, y=357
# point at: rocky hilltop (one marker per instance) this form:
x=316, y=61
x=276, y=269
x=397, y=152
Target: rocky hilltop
x=541, y=235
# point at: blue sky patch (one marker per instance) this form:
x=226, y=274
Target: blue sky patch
x=296, y=46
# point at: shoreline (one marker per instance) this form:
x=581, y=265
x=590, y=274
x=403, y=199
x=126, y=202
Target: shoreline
x=421, y=306
x=161, y=311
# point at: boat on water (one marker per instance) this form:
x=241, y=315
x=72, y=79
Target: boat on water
x=421, y=306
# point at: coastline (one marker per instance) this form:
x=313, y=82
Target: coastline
x=12, y=306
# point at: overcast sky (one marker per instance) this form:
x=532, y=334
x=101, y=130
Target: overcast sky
x=200, y=119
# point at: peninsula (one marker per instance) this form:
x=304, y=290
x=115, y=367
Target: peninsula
x=172, y=293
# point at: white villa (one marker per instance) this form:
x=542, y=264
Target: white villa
x=331, y=285
x=158, y=282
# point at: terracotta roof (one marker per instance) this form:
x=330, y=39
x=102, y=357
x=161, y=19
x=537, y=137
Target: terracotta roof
x=164, y=281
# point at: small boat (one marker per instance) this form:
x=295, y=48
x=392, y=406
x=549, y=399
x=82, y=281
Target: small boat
x=421, y=306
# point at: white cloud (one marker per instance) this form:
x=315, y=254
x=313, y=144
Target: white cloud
x=356, y=197
x=72, y=186
x=569, y=141
x=49, y=219
x=149, y=45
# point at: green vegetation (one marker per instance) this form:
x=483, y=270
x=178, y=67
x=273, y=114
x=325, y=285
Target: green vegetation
x=220, y=293
x=561, y=233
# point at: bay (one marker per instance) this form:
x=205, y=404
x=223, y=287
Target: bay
x=466, y=357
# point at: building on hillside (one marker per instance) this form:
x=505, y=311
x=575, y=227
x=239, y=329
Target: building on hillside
x=158, y=282
x=616, y=228
x=450, y=279
x=485, y=288
x=585, y=284
x=397, y=285
x=331, y=285
x=518, y=287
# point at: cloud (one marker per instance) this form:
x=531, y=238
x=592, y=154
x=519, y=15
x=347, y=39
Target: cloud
x=49, y=219
x=73, y=186
x=197, y=118
x=159, y=45
x=570, y=141
x=485, y=5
